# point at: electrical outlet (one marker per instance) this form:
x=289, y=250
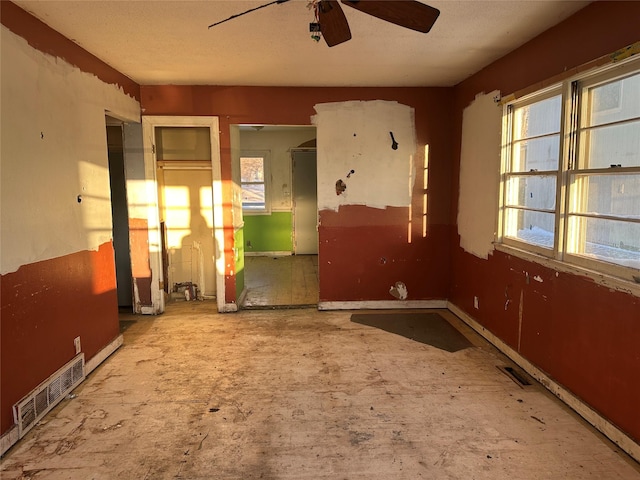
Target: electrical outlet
x=76, y=343
x=476, y=303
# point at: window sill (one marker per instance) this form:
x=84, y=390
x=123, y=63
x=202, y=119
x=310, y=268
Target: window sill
x=599, y=278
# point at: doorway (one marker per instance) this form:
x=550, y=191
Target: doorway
x=182, y=155
x=187, y=218
x=281, y=241
x=119, y=213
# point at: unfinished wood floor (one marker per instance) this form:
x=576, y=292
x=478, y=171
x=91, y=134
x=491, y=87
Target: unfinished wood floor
x=280, y=281
x=302, y=394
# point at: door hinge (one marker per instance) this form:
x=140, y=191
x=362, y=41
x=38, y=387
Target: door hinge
x=153, y=149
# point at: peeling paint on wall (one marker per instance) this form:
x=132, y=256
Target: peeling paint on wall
x=399, y=291
x=361, y=136
x=57, y=113
x=479, y=175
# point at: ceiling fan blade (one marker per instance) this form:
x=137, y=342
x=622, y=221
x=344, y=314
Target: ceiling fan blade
x=333, y=23
x=405, y=13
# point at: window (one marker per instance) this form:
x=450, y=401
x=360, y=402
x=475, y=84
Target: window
x=571, y=172
x=253, y=178
x=532, y=175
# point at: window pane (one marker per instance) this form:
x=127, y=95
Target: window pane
x=540, y=118
x=253, y=196
x=183, y=143
x=615, y=101
x=607, y=240
x=611, y=125
x=617, y=195
x=252, y=169
x=613, y=145
x=536, y=136
x=537, y=154
x=537, y=192
x=537, y=228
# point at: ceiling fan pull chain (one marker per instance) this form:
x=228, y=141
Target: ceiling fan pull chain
x=314, y=27
x=247, y=11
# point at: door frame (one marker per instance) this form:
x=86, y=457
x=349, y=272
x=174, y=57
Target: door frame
x=150, y=162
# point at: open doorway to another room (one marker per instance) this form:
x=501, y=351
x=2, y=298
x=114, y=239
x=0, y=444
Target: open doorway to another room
x=277, y=176
x=185, y=201
x=119, y=212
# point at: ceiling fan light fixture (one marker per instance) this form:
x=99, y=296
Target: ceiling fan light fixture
x=314, y=29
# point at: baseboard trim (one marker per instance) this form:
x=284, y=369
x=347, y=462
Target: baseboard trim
x=9, y=439
x=382, y=304
x=11, y=436
x=609, y=430
x=102, y=355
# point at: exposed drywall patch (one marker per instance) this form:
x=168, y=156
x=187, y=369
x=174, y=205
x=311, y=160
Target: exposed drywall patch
x=479, y=174
x=377, y=139
x=399, y=291
x=54, y=152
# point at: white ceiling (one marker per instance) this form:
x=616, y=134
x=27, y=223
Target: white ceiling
x=168, y=42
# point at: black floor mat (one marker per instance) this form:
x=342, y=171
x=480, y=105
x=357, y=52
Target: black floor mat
x=429, y=328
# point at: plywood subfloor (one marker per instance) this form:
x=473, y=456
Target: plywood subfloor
x=302, y=394
x=282, y=281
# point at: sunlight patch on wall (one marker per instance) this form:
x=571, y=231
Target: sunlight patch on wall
x=218, y=232
x=412, y=174
x=101, y=279
x=425, y=184
x=177, y=214
x=206, y=205
x=94, y=206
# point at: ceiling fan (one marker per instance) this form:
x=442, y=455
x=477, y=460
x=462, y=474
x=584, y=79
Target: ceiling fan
x=332, y=23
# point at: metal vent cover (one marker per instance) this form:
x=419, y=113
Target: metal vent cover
x=48, y=394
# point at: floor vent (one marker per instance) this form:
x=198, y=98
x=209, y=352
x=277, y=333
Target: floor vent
x=516, y=375
x=28, y=411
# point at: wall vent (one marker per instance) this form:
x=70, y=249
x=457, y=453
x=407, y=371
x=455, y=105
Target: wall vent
x=28, y=411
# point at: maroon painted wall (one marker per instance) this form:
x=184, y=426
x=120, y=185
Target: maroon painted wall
x=45, y=305
x=363, y=251
x=585, y=336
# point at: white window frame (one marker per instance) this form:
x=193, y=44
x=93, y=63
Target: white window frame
x=572, y=146
x=506, y=173
x=266, y=159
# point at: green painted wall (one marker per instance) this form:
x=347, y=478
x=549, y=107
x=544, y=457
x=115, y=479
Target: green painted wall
x=268, y=233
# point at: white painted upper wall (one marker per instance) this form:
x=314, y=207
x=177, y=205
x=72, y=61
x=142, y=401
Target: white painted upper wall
x=356, y=136
x=479, y=175
x=53, y=149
